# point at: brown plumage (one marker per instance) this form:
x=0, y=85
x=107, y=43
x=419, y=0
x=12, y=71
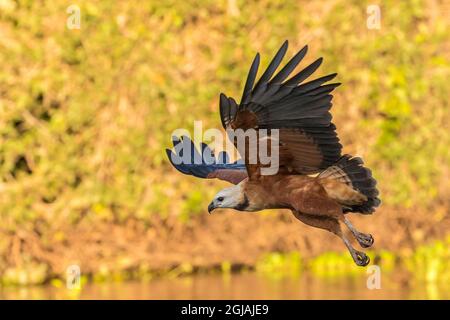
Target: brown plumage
x=315, y=181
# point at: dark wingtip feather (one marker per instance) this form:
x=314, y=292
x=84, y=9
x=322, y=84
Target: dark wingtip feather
x=250, y=78
x=224, y=108
x=273, y=66
x=315, y=85
x=285, y=45
x=322, y=90
x=334, y=74
x=290, y=66
x=305, y=73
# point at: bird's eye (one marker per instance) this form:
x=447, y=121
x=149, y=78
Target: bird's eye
x=220, y=199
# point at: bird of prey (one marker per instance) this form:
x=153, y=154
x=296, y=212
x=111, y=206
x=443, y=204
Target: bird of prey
x=314, y=180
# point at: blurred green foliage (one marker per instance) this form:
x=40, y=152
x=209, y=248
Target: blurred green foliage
x=333, y=264
x=431, y=263
x=86, y=114
x=276, y=264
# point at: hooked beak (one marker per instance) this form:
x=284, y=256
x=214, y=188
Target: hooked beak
x=211, y=207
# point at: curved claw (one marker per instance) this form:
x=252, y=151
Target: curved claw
x=365, y=240
x=360, y=258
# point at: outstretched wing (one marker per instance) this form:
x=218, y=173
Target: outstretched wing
x=308, y=142
x=188, y=160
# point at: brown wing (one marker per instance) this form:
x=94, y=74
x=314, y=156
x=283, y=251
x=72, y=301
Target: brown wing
x=300, y=111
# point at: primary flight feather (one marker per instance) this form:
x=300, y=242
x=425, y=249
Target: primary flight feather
x=314, y=180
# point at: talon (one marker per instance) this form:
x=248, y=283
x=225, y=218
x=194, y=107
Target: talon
x=361, y=259
x=365, y=240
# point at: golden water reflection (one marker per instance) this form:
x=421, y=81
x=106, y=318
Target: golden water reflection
x=239, y=286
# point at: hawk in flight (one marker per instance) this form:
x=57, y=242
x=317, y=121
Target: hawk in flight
x=314, y=180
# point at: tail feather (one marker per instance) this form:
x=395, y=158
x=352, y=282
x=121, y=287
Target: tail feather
x=350, y=170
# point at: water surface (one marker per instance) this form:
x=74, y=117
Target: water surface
x=235, y=286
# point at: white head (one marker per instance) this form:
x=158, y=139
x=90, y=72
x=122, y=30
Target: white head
x=232, y=197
